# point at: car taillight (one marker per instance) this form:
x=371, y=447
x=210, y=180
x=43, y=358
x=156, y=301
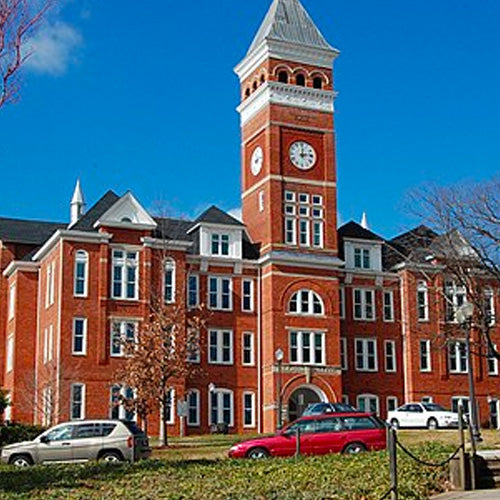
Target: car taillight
x=130, y=441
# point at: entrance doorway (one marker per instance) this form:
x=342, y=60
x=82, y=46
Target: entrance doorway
x=300, y=399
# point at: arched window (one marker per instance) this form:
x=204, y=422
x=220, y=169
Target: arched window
x=301, y=80
x=422, y=301
x=247, y=93
x=169, y=285
x=262, y=78
x=306, y=302
x=283, y=77
x=81, y=273
x=254, y=85
x=318, y=82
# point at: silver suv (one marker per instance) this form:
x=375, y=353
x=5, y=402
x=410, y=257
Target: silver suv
x=107, y=440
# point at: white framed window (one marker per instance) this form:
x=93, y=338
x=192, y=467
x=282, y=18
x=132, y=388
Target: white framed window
x=388, y=305
x=193, y=292
x=194, y=348
x=118, y=410
x=422, y=301
x=248, y=356
x=171, y=406
x=220, y=244
x=489, y=306
x=457, y=400
x=492, y=362
x=362, y=258
x=220, y=296
x=48, y=344
x=427, y=399
x=306, y=302
x=248, y=409
x=77, y=401
x=344, y=364
x=345, y=399
x=455, y=296
x=307, y=348
x=193, y=402
x=317, y=234
x=366, y=355
x=391, y=403
x=220, y=347
x=425, y=356
x=80, y=286
x=79, y=336
x=342, y=302
x=47, y=406
x=125, y=274
x=221, y=407
x=9, y=355
x=368, y=403
x=304, y=233
x=49, y=295
x=122, y=332
x=261, y=201
x=364, y=304
x=169, y=282
x=290, y=231
x=247, y=295
x=457, y=357
x=12, y=301
x=390, y=355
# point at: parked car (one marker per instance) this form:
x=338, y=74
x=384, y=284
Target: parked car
x=321, y=408
x=319, y=435
x=422, y=415
x=107, y=440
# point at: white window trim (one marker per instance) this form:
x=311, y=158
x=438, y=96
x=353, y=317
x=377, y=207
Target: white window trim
x=394, y=356
x=423, y=288
x=344, y=358
x=252, y=348
x=124, y=268
x=391, y=295
x=300, y=347
x=345, y=399
x=428, y=354
x=220, y=407
x=84, y=342
x=219, y=307
x=50, y=343
x=391, y=398
x=365, y=342
x=253, y=422
x=171, y=415
x=293, y=241
x=169, y=265
x=427, y=399
x=364, y=303
x=81, y=257
x=82, y=415
x=123, y=332
x=311, y=296
x=196, y=423
x=9, y=355
x=342, y=302
x=49, y=293
x=494, y=372
x=252, y=306
x=366, y=396
x=455, y=347
x=197, y=278
x=12, y=302
x=362, y=251
x=489, y=295
x=220, y=337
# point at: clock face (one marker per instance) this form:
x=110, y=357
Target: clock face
x=257, y=160
x=302, y=155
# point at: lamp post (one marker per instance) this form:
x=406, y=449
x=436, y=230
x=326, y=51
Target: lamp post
x=464, y=318
x=279, y=355
x=211, y=390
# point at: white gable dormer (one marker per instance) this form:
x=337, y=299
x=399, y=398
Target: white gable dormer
x=363, y=255
x=127, y=213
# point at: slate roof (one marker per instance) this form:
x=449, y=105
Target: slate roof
x=86, y=223
x=354, y=230
x=288, y=21
x=28, y=232
x=215, y=215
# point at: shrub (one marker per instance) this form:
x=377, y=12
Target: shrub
x=14, y=433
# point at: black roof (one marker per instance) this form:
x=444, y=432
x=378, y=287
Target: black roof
x=354, y=230
x=87, y=221
x=215, y=215
x=28, y=232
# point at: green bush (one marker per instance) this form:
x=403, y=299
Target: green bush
x=15, y=433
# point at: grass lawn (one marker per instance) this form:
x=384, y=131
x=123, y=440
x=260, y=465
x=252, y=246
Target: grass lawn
x=195, y=468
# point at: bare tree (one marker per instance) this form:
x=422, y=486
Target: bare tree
x=4, y=401
x=18, y=21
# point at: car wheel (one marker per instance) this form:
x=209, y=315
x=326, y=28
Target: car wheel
x=354, y=448
x=395, y=423
x=432, y=424
x=21, y=461
x=111, y=457
x=258, y=454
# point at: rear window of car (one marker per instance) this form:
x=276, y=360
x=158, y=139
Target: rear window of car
x=359, y=423
x=132, y=427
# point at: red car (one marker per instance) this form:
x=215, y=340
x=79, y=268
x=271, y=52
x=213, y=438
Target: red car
x=319, y=435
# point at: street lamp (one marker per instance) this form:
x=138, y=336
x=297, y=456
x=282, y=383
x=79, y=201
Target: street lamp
x=279, y=355
x=464, y=318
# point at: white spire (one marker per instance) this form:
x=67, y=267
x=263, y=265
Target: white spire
x=364, y=221
x=77, y=206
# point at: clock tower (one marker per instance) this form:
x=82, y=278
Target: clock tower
x=289, y=202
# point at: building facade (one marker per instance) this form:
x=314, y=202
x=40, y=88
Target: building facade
x=300, y=310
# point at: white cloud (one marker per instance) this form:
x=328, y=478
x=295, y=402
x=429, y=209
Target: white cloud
x=53, y=48
x=236, y=213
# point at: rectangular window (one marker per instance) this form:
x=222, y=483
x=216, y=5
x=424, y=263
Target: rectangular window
x=125, y=275
x=307, y=348
x=261, y=201
x=220, y=244
x=248, y=409
x=221, y=407
x=457, y=356
x=248, y=349
x=193, y=401
x=318, y=234
x=345, y=399
x=50, y=343
x=368, y=403
x=342, y=302
x=422, y=301
x=290, y=231
x=456, y=401
x=247, y=295
x=489, y=306
x=425, y=356
x=304, y=220
x=81, y=272
x=392, y=403
x=220, y=347
x=343, y=354
x=193, y=355
x=427, y=399
x=390, y=355
x=388, y=306
x=49, y=296
x=169, y=288
x=79, y=336
x=193, y=290
x=117, y=409
x=220, y=293
x=366, y=355
x=303, y=232
x=122, y=332
x=492, y=362
x=455, y=297
x=9, y=362
x=364, y=304
x=77, y=401
x=362, y=258
x=47, y=406
x=12, y=301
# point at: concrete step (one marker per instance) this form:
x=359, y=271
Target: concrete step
x=489, y=470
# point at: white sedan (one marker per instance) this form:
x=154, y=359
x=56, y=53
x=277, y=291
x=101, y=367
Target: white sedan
x=428, y=415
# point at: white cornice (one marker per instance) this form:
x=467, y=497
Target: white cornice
x=351, y=239
x=301, y=260
x=157, y=243
x=285, y=94
x=222, y=261
x=20, y=265
x=213, y=225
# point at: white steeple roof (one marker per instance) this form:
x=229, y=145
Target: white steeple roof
x=364, y=221
x=78, y=194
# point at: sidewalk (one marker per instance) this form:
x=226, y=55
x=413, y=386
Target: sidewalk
x=470, y=495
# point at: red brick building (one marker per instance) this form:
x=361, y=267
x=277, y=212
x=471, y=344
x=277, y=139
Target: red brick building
x=357, y=317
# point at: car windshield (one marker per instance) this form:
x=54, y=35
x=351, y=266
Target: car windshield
x=432, y=407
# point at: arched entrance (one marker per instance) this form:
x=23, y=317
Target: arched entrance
x=301, y=398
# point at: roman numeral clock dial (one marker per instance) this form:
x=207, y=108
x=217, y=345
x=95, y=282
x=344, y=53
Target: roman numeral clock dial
x=303, y=155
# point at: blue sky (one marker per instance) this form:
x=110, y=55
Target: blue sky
x=142, y=96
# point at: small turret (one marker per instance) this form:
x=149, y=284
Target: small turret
x=364, y=221
x=77, y=204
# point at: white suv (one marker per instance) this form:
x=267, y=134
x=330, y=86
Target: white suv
x=428, y=415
